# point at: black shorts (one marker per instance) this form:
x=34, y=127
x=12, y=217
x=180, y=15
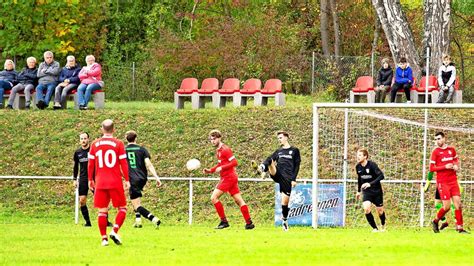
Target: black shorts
x=136, y=188
x=376, y=197
x=83, y=186
x=285, y=183
x=437, y=196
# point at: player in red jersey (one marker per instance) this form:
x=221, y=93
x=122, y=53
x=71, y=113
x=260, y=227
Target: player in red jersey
x=108, y=163
x=228, y=183
x=445, y=162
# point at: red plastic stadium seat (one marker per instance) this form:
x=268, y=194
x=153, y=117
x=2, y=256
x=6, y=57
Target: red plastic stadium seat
x=251, y=86
x=364, y=84
x=188, y=86
x=209, y=86
x=272, y=86
x=230, y=86
x=457, y=84
x=432, y=84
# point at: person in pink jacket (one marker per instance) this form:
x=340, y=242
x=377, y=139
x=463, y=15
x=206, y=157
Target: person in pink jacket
x=91, y=80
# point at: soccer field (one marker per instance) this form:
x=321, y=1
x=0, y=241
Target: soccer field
x=64, y=244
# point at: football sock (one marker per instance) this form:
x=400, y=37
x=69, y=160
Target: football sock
x=438, y=206
x=103, y=224
x=85, y=214
x=220, y=211
x=145, y=213
x=382, y=218
x=245, y=212
x=440, y=215
x=284, y=211
x=458, y=215
x=371, y=220
x=137, y=214
x=119, y=219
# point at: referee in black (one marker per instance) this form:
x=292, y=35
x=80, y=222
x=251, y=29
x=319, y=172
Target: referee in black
x=80, y=163
x=283, y=166
x=368, y=183
x=138, y=165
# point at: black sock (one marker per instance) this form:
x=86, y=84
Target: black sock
x=145, y=213
x=371, y=220
x=137, y=215
x=382, y=218
x=85, y=214
x=284, y=211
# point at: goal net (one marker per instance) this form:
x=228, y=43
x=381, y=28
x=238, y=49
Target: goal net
x=399, y=138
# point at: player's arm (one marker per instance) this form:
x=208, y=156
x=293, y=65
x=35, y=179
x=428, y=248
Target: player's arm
x=229, y=161
x=75, y=170
x=378, y=173
x=433, y=166
x=359, y=185
x=91, y=167
x=296, y=166
x=456, y=164
x=152, y=170
x=268, y=161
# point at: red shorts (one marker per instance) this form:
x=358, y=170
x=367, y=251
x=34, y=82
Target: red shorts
x=230, y=186
x=102, y=198
x=448, y=190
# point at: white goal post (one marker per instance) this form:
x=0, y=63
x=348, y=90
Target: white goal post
x=349, y=126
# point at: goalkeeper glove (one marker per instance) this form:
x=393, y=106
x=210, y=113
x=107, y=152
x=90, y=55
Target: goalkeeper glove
x=427, y=186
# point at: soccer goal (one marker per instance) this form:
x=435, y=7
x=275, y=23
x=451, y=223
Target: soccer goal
x=399, y=138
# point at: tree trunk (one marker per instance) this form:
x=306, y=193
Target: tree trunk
x=436, y=31
x=335, y=23
x=398, y=32
x=323, y=16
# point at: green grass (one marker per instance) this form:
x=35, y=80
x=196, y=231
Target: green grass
x=67, y=244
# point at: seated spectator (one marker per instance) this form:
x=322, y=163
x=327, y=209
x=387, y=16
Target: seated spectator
x=384, y=81
x=48, y=74
x=8, y=77
x=91, y=80
x=446, y=79
x=26, y=82
x=403, y=79
x=69, y=80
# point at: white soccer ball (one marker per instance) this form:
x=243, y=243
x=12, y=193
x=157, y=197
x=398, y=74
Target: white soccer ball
x=193, y=164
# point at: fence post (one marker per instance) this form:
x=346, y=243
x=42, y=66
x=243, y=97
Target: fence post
x=190, y=221
x=314, y=196
x=312, y=72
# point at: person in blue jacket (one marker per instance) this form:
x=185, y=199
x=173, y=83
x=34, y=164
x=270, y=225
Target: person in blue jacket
x=68, y=81
x=403, y=80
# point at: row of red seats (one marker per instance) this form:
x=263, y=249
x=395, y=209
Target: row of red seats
x=230, y=86
x=366, y=83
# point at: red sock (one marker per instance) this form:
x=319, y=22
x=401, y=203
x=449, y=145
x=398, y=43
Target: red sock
x=220, y=210
x=245, y=212
x=103, y=224
x=119, y=219
x=458, y=215
x=440, y=214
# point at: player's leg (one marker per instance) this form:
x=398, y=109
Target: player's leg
x=83, y=189
x=378, y=202
x=285, y=210
x=243, y=207
x=438, y=206
x=135, y=195
x=219, y=208
x=367, y=206
x=119, y=202
x=456, y=196
x=101, y=202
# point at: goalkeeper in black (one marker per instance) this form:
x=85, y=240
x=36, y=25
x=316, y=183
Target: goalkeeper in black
x=283, y=166
x=368, y=183
x=138, y=165
x=80, y=164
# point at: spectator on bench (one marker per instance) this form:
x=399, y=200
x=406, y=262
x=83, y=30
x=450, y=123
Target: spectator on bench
x=48, y=73
x=446, y=79
x=91, y=80
x=69, y=80
x=8, y=77
x=384, y=81
x=403, y=79
x=26, y=82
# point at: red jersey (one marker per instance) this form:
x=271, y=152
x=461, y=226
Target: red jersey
x=440, y=157
x=106, y=157
x=227, y=162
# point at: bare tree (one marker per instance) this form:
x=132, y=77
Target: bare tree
x=437, y=25
x=323, y=16
x=398, y=32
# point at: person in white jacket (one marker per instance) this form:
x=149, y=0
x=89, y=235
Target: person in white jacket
x=446, y=79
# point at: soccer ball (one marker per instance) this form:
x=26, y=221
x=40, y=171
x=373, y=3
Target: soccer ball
x=193, y=164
